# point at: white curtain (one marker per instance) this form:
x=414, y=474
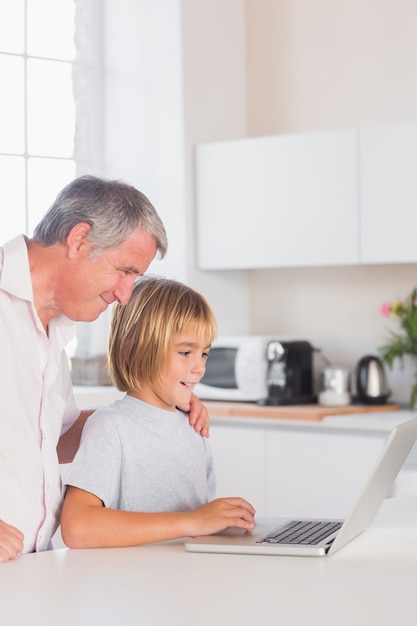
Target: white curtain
x=88, y=86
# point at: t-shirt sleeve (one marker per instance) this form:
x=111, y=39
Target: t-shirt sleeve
x=96, y=466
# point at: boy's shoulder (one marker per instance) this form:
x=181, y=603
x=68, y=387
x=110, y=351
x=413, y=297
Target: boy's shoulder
x=109, y=412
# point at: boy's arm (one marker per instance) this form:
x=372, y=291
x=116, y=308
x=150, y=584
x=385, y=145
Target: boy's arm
x=86, y=523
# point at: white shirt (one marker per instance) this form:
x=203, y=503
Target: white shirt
x=36, y=403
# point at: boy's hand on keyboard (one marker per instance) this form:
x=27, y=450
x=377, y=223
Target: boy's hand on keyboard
x=221, y=514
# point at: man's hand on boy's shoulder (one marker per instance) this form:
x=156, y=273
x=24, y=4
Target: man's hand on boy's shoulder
x=198, y=416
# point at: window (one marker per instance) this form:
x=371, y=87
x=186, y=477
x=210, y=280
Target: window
x=41, y=71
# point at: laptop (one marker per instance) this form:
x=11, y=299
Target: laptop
x=319, y=537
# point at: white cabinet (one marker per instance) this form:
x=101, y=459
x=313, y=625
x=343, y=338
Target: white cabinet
x=317, y=473
x=327, y=198
x=388, y=182
x=292, y=471
x=286, y=200
x=240, y=461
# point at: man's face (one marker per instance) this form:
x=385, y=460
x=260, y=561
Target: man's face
x=91, y=284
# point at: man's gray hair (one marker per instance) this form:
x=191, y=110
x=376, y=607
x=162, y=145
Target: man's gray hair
x=113, y=209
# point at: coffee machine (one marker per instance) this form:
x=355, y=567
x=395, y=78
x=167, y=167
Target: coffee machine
x=289, y=373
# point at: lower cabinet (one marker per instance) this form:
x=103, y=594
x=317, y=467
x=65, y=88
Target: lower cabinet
x=241, y=464
x=295, y=472
x=317, y=473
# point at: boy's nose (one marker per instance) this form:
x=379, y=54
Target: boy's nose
x=200, y=368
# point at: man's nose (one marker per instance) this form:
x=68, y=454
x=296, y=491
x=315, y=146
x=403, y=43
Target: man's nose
x=124, y=291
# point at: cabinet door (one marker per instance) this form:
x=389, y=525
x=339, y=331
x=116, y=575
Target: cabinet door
x=280, y=201
x=388, y=175
x=318, y=474
x=240, y=461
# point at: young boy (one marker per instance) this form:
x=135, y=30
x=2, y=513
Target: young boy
x=142, y=474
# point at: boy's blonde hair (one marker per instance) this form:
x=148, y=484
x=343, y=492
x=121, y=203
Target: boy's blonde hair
x=142, y=332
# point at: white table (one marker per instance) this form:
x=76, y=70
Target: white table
x=371, y=581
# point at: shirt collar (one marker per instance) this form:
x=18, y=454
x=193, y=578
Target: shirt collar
x=16, y=264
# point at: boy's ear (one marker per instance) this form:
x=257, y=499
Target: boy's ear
x=77, y=240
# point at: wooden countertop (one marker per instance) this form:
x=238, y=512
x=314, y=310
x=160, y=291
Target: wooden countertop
x=312, y=412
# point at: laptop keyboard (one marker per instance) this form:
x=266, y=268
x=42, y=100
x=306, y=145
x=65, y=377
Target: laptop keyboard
x=301, y=532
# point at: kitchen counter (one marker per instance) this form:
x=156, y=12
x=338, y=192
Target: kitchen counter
x=358, y=418
x=305, y=412
x=369, y=582
x=92, y=397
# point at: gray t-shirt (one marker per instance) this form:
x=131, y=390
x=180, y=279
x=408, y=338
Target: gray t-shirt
x=137, y=457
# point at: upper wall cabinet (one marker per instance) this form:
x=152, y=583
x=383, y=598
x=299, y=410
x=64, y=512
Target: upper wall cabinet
x=388, y=182
x=280, y=201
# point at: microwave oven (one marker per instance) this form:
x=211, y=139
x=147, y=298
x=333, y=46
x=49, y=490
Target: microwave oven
x=258, y=368
x=236, y=369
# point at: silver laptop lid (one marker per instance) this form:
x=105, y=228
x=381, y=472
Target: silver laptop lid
x=378, y=484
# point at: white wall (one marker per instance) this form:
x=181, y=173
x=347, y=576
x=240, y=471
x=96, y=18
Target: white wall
x=144, y=128
x=314, y=64
x=175, y=76
x=181, y=72
x=214, y=65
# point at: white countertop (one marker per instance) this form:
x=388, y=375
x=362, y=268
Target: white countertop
x=372, y=421
x=369, y=582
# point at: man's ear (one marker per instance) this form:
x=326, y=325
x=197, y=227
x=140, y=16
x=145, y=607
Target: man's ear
x=77, y=240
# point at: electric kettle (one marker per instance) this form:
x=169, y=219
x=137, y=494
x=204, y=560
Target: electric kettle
x=371, y=384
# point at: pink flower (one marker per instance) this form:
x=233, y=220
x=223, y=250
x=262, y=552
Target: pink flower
x=415, y=301
x=386, y=309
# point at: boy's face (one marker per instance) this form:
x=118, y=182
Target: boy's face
x=184, y=368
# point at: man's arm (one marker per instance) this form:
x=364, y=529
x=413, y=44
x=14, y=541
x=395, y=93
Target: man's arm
x=69, y=442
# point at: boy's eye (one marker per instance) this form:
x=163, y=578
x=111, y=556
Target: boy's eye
x=188, y=352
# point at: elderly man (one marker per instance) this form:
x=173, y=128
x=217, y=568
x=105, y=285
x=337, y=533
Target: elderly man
x=85, y=254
